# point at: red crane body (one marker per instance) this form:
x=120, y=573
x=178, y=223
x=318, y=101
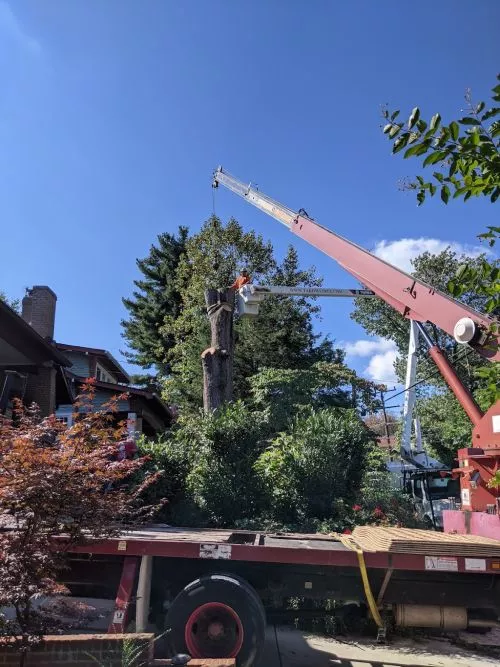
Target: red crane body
x=418, y=301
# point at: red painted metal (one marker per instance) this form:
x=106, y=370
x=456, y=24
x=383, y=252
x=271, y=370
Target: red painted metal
x=125, y=587
x=421, y=302
x=209, y=626
x=472, y=523
x=463, y=395
x=412, y=298
x=293, y=555
x=485, y=434
x=476, y=468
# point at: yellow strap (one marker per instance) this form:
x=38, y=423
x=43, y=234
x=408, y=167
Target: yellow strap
x=349, y=542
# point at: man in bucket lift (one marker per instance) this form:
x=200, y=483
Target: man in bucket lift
x=242, y=279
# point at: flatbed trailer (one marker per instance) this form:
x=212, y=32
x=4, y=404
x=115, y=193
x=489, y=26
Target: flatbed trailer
x=210, y=588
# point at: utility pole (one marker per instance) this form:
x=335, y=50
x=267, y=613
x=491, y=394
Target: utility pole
x=386, y=424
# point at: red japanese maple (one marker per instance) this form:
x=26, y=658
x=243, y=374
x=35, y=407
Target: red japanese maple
x=59, y=486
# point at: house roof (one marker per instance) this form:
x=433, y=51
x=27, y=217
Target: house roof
x=161, y=406
x=21, y=345
x=114, y=366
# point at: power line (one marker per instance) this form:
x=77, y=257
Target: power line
x=431, y=375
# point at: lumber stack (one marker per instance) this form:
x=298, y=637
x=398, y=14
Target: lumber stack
x=425, y=542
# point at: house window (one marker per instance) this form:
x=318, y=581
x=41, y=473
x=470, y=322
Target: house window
x=64, y=416
x=102, y=375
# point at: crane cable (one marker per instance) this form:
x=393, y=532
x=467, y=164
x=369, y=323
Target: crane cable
x=213, y=202
x=351, y=544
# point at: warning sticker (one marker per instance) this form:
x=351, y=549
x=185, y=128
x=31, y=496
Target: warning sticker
x=118, y=616
x=122, y=545
x=442, y=563
x=215, y=551
x=465, y=497
x=475, y=564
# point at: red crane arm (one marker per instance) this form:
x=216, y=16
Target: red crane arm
x=415, y=300
x=411, y=297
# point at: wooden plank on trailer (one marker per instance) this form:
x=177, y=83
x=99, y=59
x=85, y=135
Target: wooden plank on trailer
x=423, y=542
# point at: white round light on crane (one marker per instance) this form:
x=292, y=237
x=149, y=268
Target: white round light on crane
x=464, y=330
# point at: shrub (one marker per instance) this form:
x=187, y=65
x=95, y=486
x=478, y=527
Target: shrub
x=310, y=471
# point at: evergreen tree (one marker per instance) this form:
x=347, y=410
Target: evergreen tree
x=15, y=304
x=281, y=337
x=155, y=298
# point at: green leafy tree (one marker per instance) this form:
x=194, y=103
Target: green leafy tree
x=212, y=259
x=13, y=303
x=155, y=298
x=222, y=480
x=281, y=337
x=282, y=393
x=466, y=151
x=315, y=469
x=464, y=157
x=209, y=460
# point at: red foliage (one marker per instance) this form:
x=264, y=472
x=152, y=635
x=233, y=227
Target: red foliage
x=58, y=482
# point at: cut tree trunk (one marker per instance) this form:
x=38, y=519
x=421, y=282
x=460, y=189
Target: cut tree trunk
x=217, y=360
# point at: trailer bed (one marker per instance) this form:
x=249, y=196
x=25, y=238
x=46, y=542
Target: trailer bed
x=383, y=548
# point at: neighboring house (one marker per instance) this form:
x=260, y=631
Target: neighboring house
x=143, y=409
x=29, y=362
x=38, y=369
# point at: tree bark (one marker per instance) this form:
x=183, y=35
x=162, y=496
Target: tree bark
x=217, y=360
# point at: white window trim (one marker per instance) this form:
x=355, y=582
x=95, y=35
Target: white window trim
x=105, y=375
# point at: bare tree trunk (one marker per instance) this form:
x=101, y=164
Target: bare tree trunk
x=217, y=360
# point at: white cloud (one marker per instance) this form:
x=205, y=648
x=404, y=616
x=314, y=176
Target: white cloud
x=381, y=368
x=382, y=354
x=401, y=252
x=11, y=29
x=366, y=348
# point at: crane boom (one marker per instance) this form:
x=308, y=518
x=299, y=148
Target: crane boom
x=411, y=297
x=420, y=303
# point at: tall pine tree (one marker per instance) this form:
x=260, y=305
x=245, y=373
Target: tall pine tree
x=155, y=298
x=168, y=327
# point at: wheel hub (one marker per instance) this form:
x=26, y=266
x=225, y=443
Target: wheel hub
x=214, y=630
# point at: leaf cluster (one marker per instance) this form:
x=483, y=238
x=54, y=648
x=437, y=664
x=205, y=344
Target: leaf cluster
x=465, y=153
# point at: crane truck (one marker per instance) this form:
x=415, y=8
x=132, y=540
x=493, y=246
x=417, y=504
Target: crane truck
x=210, y=589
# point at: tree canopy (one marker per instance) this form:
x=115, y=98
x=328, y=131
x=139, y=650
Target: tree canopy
x=168, y=328
x=465, y=157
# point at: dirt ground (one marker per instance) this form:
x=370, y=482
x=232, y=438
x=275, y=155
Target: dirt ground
x=286, y=647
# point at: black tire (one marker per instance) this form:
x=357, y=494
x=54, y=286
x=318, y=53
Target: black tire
x=218, y=616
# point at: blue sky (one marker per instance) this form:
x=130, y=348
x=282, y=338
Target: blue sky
x=114, y=114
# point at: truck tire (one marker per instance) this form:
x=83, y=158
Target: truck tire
x=218, y=616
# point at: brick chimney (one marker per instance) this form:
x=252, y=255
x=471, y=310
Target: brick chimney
x=39, y=310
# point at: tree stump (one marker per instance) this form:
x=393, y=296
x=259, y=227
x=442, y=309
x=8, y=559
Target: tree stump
x=217, y=360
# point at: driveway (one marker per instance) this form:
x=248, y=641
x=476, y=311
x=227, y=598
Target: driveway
x=287, y=647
